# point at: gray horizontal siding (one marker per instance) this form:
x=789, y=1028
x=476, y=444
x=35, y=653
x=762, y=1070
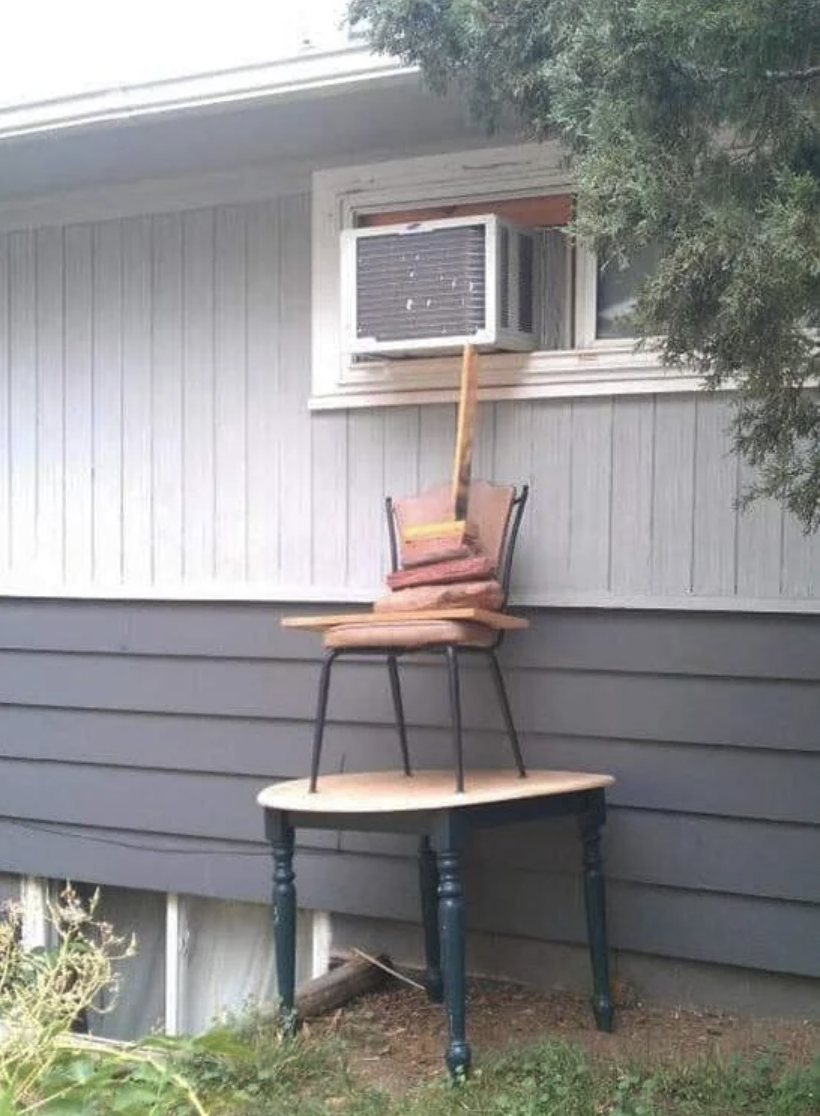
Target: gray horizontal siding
x=724, y=929
x=684, y=777
x=134, y=738
x=725, y=645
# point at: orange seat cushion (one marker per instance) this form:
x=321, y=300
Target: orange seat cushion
x=409, y=633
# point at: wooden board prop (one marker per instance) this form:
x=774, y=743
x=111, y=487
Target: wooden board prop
x=457, y=528
x=465, y=430
x=474, y=615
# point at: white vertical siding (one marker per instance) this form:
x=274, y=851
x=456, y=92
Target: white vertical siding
x=590, y=463
x=402, y=427
x=633, y=480
x=550, y=527
x=24, y=391
x=138, y=565
x=154, y=376
x=198, y=372
x=800, y=567
x=435, y=449
x=230, y=396
x=365, y=533
x=166, y=399
x=78, y=355
x=264, y=462
x=513, y=459
x=673, y=496
x=759, y=546
x=295, y=495
x=716, y=488
x=107, y=412
x=5, y=407
x=49, y=527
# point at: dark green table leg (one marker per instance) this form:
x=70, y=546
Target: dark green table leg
x=428, y=885
x=451, y=931
x=280, y=836
x=595, y=900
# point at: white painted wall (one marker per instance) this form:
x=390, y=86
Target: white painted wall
x=155, y=441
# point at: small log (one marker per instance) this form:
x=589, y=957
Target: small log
x=335, y=988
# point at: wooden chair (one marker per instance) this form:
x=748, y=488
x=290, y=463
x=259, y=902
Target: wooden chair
x=496, y=512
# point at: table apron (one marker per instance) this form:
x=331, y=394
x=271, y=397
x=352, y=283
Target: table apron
x=590, y=803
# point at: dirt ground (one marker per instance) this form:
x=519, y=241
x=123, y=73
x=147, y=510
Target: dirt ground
x=397, y=1038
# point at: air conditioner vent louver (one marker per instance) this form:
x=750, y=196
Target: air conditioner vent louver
x=434, y=286
x=428, y=285
x=504, y=245
x=526, y=286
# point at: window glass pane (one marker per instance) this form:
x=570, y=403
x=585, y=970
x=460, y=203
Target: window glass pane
x=616, y=290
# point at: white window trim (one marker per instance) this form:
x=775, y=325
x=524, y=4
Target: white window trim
x=592, y=368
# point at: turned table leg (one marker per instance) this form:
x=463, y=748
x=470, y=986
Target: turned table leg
x=451, y=931
x=428, y=885
x=590, y=824
x=280, y=836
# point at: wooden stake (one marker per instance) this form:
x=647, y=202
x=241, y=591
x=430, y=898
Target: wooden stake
x=467, y=407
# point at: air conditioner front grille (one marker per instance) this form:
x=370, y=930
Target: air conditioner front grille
x=421, y=284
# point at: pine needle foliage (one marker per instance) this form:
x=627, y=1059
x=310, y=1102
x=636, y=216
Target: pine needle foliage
x=690, y=124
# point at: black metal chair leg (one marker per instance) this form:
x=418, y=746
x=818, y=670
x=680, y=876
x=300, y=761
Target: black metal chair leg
x=503, y=701
x=321, y=710
x=395, y=689
x=455, y=715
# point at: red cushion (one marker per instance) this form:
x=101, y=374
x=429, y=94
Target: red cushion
x=442, y=573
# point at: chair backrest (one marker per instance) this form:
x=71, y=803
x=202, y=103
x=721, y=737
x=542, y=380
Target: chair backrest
x=495, y=510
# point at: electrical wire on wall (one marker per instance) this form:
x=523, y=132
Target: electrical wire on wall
x=137, y=846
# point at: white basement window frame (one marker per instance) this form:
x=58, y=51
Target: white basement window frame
x=592, y=367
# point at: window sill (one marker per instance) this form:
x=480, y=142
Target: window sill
x=614, y=370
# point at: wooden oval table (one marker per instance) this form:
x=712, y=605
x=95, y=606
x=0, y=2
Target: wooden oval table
x=425, y=803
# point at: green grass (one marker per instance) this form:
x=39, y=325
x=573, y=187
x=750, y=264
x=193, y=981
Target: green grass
x=255, y=1073
x=557, y=1079
x=246, y=1068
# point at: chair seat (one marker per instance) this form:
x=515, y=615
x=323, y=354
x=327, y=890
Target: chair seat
x=409, y=634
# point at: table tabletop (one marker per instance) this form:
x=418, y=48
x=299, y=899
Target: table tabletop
x=390, y=792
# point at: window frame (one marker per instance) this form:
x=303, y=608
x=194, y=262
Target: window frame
x=340, y=195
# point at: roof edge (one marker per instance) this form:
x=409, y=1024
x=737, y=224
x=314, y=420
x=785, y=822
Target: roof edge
x=285, y=79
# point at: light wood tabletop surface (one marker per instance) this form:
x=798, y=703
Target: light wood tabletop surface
x=391, y=791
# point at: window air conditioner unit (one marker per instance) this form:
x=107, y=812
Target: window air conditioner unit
x=434, y=286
